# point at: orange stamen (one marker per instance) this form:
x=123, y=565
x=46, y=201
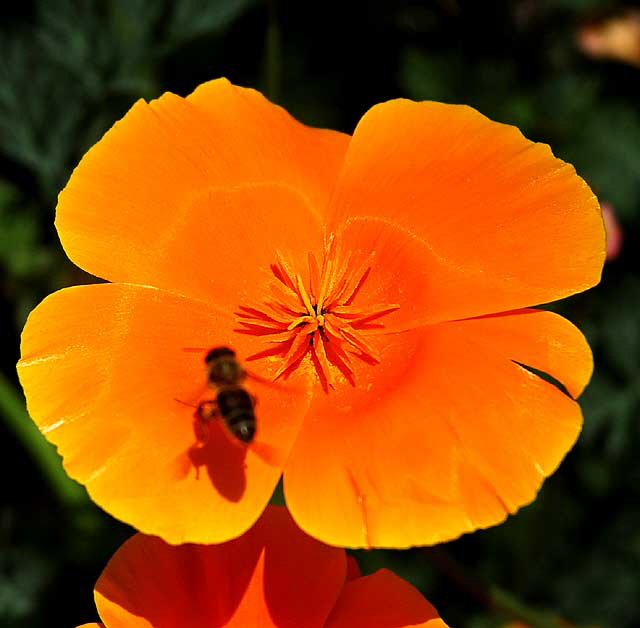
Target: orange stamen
x=317, y=317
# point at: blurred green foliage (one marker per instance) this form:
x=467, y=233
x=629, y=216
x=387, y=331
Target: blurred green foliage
x=70, y=68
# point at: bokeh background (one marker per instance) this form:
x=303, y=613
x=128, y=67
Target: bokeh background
x=567, y=72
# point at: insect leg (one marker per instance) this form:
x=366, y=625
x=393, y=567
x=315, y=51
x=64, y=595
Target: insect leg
x=206, y=412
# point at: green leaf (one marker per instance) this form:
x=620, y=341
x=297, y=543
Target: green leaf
x=194, y=18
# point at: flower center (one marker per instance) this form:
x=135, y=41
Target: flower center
x=317, y=317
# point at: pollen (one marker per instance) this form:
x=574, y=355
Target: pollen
x=316, y=315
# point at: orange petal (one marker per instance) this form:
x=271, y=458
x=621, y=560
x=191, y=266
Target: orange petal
x=503, y=223
x=94, y=625
x=382, y=600
x=544, y=341
x=107, y=380
x=400, y=272
x=448, y=434
x=274, y=575
x=189, y=194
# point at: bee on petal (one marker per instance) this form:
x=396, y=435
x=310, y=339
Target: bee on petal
x=232, y=403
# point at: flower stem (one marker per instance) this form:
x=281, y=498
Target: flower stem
x=13, y=412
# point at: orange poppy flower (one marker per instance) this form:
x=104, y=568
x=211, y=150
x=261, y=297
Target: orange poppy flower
x=274, y=575
x=378, y=279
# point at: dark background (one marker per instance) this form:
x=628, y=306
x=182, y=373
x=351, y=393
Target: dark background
x=69, y=69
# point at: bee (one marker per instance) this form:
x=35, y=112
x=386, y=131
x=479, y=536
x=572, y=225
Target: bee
x=232, y=403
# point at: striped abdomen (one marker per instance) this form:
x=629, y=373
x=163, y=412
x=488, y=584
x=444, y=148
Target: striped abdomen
x=235, y=405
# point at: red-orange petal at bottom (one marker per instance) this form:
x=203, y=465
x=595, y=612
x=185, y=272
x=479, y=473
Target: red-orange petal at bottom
x=353, y=569
x=108, y=381
x=450, y=433
x=382, y=600
x=272, y=576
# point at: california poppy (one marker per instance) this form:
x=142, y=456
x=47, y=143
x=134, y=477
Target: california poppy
x=274, y=575
x=372, y=285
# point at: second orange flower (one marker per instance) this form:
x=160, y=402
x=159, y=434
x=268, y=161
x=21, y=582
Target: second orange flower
x=373, y=286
